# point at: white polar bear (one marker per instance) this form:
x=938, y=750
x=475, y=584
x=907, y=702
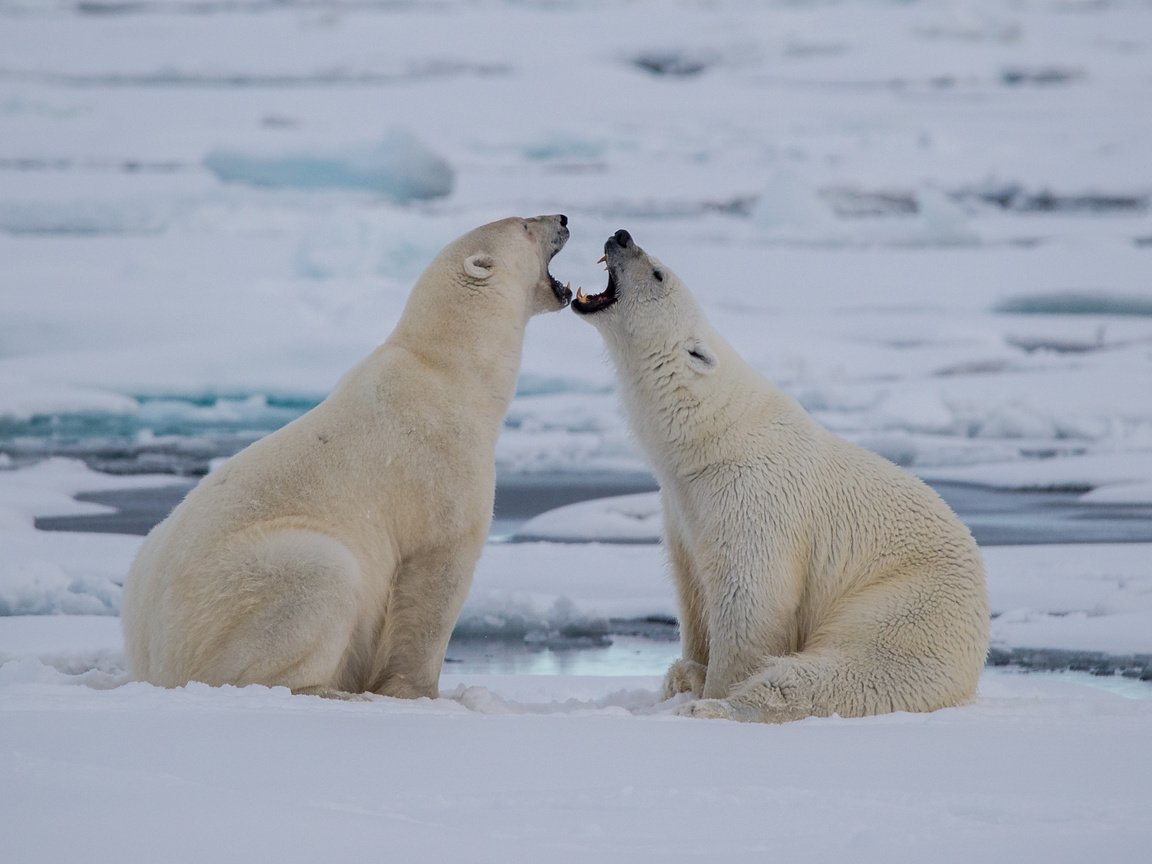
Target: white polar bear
x=333, y=556
x=813, y=577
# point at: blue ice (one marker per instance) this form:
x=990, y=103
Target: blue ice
x=399, y=167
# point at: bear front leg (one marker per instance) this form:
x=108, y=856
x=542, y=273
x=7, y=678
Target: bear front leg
x=751, y=618
x=687, y=674
x=426, y=599
x=736, y=648
x=780, y=692
x=684, y=676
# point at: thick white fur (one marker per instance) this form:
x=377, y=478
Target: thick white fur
x=334, y=555
x=814, y=577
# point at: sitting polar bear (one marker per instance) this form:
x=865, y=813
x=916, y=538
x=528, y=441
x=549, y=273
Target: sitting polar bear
x=813, y=577
x=333, y=556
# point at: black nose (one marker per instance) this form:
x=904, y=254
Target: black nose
x=623, y=238
x=563, y=221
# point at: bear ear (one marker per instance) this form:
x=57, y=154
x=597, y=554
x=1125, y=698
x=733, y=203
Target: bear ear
x=700, y=356
x=480, y=265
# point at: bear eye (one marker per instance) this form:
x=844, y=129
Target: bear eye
x=658, y=275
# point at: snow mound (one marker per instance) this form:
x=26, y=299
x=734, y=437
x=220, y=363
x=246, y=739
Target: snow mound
x=70, y=574
x=46, y=489
x=399, y=167
x=621, y=519
x=1121, y=493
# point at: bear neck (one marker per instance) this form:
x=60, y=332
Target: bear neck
x=476, y=342
x=680, y=416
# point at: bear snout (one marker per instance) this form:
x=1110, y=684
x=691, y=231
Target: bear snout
x=623, y=238
x=561, y=236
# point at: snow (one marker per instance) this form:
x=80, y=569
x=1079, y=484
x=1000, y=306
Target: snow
x=1075, y=597
x=1121, y=493
x=553, y=762
x=929, y=221
x=1109, y=478
x=47, y=489
x=514, y=769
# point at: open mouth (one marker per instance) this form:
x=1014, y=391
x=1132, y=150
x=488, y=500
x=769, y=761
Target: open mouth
x=563, y=292
x=589, y=304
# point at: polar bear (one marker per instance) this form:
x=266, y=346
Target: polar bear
x=333, y=556
x=813, y=577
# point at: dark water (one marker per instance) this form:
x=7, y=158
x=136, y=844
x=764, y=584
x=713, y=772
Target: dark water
x=1000, y=517
x=996, y=517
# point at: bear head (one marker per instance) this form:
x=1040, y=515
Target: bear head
x=646, y=308
x=510, y=258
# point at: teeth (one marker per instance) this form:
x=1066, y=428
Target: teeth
x=580, y=295
x=603, y=258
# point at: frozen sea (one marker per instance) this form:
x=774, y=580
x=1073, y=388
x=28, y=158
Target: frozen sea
x=928, y=220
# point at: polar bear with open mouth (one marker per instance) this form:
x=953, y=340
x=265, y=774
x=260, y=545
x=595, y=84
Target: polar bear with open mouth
x=813, y=576
x=334, y=555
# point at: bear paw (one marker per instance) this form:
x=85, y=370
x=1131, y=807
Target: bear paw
x=333, y=693
x=684, y=676
x=720, y=709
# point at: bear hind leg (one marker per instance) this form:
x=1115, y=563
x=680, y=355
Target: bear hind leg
x=290, y=620
x=798, y=686
x=898, y=647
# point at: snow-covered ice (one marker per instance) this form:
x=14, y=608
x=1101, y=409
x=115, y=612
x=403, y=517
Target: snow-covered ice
x=930, y=221
x=529, y=769
x=620, y=519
